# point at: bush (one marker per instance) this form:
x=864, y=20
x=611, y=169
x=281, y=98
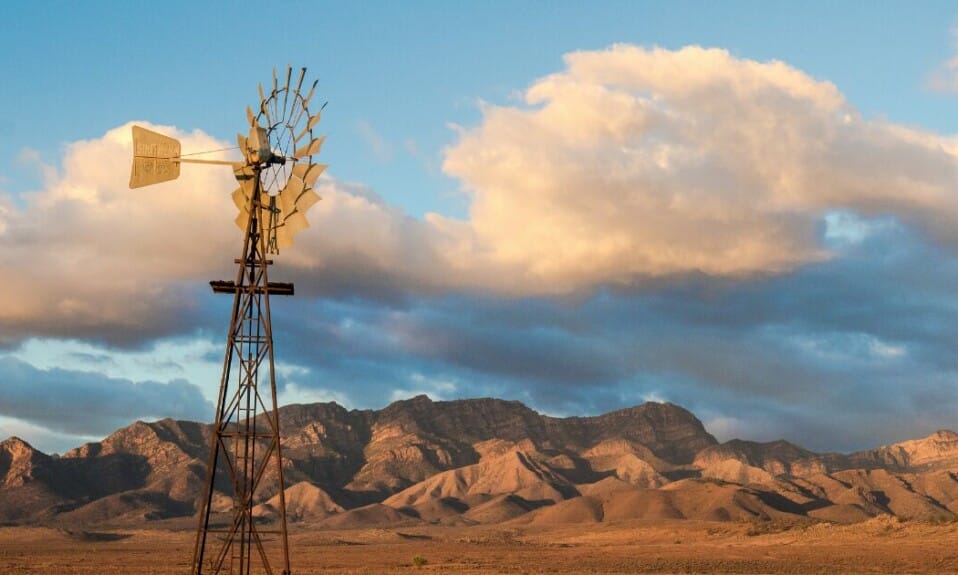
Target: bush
x=419, y=561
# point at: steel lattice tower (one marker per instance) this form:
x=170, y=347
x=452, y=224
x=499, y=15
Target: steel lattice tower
x=245, y=436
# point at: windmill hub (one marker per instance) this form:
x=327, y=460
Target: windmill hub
x=258, y=150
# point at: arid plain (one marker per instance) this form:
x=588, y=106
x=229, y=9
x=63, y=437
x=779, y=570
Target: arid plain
x=881, y=545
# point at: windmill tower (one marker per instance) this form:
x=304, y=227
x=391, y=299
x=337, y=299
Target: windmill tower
x=276, y=179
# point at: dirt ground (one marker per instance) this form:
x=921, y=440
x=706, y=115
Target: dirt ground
x=879, y=546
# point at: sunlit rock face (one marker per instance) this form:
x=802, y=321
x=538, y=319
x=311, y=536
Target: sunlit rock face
x=478, y=461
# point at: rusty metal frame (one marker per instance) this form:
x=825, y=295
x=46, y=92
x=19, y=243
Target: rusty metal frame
x=245, y=438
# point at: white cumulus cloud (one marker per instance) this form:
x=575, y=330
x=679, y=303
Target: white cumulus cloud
x=634, y=163
x=945, y=78
x=630, y=164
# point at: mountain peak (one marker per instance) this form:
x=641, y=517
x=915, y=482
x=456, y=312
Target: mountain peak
x=937, y=450
x=15, y=444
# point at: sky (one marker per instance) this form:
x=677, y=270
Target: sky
x=744, y=208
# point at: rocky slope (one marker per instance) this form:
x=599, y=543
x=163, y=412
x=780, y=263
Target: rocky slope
x=485, y=461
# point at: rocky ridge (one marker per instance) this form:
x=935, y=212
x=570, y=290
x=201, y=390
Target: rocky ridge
x=484, y=461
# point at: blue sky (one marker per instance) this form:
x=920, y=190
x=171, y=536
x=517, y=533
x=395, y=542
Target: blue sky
x=743, y=208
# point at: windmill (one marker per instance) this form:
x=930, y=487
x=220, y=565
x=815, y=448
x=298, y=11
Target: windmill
x=276, y=179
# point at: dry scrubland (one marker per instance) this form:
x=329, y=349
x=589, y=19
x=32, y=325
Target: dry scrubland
x=881, y=545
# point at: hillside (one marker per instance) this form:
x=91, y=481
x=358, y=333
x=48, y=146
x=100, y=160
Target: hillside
x=484, y=461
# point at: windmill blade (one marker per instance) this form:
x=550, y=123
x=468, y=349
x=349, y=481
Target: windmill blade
x=300, y=170
x=310, y=95
x=313, y=120
x=294, y=187
x=240, y=199
x=275, y=81
x=286, y=202
x=246, y=177
x=313, y=174
x=295, y=223
x=306, y=201
x=242, y=220
x=309, y=149
x=243, y=146
x=265, y=112
x=289, y=75
x=283, y=238
x=299, y=84
x=249, y=116
x=308, y=172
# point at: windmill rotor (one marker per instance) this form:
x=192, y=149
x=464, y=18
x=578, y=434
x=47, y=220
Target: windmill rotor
x=280, y=147
x=281, y=141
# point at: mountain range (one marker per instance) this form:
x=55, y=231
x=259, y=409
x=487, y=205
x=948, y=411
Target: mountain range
x=483, y=461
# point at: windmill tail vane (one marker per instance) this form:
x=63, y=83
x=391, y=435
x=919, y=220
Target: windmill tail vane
x=276, y=179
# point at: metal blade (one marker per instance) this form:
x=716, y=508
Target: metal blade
x=265, y=112
x=275, y=81
x=300, y=135
x=300, y=170
x=310, y=149
x=259, y=86
x=310, y=95
x=295, y=187
x=309, y=126
x=308, y=172
x=287, y=203
x=306, y=201
x=313, y=174
x=249, y=116
x=241, y=142
x=299, y=84
x=283, y=238
x=295, y=223
x=240, y=199
x=242, y=220
x=289, y=74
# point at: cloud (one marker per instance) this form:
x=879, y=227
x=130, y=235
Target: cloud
x=89, y=404
x=375, y=141
x=945, y=78
x=88, y=256
x=41, y=437
x=846, y=353
x=629, y=167
x=634, y=166
x=635, y=163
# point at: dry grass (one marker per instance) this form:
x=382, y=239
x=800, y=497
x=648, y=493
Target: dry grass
x=877, y=546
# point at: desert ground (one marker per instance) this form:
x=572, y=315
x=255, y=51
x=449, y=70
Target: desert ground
x=882, y=545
